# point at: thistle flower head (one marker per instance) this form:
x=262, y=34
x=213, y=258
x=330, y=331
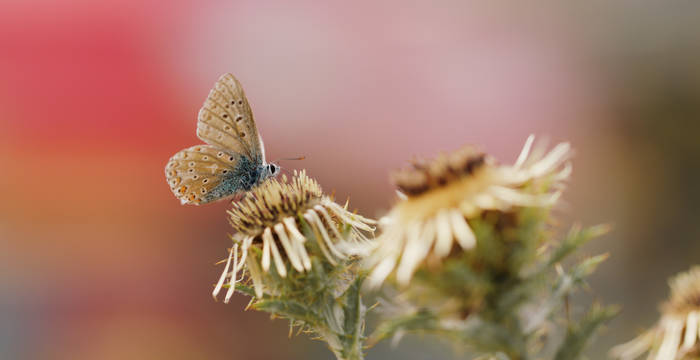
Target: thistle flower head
x=676, y=334
x=443, y=195
x=271, y=224
x=685, y=293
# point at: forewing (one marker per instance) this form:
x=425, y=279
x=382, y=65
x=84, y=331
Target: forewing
x=226, y=120
x=194, y=172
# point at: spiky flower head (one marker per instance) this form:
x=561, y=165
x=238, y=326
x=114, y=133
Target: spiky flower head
x=676, y=335
x=443, y=196
x=271, y=223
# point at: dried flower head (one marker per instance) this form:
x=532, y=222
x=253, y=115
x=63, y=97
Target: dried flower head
x=267, y=221
x=443, y=195
x=676, y=334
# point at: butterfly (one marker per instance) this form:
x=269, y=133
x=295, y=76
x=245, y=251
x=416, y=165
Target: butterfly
x=232, y=161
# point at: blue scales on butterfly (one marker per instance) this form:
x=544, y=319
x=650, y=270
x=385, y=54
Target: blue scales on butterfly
x=245, y=176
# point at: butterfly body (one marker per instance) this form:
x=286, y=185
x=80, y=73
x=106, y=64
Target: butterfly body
x=232, y=162
x=245, y=176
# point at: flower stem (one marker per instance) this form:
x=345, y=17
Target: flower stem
x=347, y=317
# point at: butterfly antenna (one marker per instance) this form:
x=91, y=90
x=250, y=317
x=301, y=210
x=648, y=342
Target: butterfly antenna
x=282, y=168
x=296, y=158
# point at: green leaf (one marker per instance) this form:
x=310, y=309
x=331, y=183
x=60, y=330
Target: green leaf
x=574, y=240
x=289, y=309
x=586, y=267
x=580, y=333
x=244, y=289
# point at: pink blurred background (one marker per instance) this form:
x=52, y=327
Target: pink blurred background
x=99, y=260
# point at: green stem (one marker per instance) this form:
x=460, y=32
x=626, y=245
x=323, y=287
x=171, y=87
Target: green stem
x=341, y=320
x=343, y=350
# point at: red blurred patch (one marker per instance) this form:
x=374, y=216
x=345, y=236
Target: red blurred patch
x=89, y=76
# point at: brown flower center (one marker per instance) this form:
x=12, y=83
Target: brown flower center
x=273, y=201
x=427, y=175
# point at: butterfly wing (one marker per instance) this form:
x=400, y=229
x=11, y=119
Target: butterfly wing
x=195, y=174
x=226, y=121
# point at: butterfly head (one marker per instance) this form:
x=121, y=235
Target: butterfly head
x=271, y=170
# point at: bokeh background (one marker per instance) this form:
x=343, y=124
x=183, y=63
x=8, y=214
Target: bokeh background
x=99, y=261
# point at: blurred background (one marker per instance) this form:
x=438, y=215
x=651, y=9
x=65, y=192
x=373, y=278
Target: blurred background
x=98, y=260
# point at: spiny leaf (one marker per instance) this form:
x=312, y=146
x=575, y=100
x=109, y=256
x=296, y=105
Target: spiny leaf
x=288, y=308
x=575, y=239
x=579, y=333
x=244, y=289
x=586, y=267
